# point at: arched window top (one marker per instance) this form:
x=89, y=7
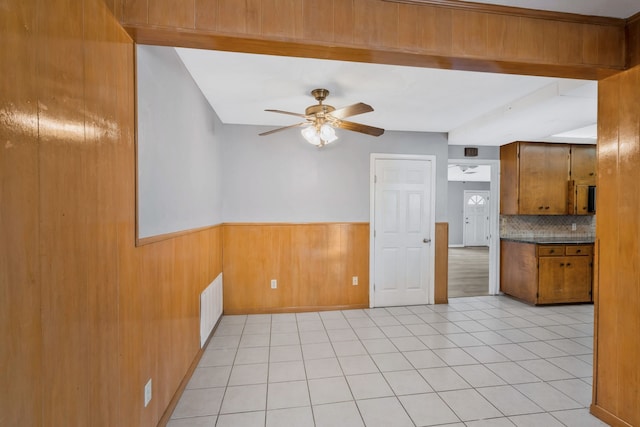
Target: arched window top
x=476, y=200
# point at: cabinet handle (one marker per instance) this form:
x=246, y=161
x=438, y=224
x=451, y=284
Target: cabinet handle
x=562, y=264
x=552, y=251
x=591, y=174
x=578, y=251
x=541, y=207
x=547, y=207
x=568, y=264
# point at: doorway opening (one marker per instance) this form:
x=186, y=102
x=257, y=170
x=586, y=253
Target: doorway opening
x=473, y=206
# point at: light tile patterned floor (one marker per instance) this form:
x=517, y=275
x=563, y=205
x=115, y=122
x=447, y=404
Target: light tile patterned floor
x=481, y=361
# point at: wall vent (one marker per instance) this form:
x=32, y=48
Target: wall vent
x=210, y=308
x=471, y=151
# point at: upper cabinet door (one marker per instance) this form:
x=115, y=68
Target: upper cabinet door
x=583, y=164
x=543, y=178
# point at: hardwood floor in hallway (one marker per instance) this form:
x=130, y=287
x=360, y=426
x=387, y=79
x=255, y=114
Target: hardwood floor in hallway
x=468, y=271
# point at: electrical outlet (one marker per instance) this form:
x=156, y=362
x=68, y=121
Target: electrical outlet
x=573, y=227
x=147, y=393
x=274, y=284
x=354, y=280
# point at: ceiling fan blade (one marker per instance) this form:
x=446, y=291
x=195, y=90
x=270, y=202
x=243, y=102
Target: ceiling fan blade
x=358, y=127
x=287, y=112
x=283, y=128
x=351, y=110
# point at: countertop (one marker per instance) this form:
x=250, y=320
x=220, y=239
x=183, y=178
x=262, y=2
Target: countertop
x=552, y=240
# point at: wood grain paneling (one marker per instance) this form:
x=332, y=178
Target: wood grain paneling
x=65, y=206
x=86, y=317
x=441, y=291
x=100, y=74
x=20, y=323
x=313, y=263
x=421, y=34
x=182, y=13
x=470, y=31
x=135, y=11
x=318, y=22
x=617, y=296
x=633, y=40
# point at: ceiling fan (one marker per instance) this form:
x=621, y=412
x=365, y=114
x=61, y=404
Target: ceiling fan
x=322, y=119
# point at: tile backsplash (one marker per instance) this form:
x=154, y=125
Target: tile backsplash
x=547, y=225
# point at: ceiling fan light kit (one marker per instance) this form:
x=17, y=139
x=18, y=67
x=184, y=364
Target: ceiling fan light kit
x=321, y=120
x=319, y=137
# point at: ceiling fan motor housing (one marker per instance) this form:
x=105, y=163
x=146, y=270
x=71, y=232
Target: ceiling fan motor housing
x=320, y=108
x=320, y=94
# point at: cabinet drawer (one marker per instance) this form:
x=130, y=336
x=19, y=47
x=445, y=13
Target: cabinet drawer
x=579, y=250
x=550, y=250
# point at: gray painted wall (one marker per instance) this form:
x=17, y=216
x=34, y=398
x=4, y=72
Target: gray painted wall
x=282, y=178
x=456, y=207
x=179, y=163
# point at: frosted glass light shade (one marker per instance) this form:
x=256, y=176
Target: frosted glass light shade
x=327, y=134
x=311, y=135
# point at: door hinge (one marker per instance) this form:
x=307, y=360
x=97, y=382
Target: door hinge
x=375, y=179
x=374, y=234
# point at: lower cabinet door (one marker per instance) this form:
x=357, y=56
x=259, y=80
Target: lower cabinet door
x=551, y=286
x=578, y=274
x=564, y=279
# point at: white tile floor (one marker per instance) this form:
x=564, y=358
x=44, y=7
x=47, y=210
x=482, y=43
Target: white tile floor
x=483, y=361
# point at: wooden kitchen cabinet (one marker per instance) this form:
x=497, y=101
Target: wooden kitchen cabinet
x=583, y=164
x=533, y=178
x=546, y=274
x=582, y=177
x=546, y=179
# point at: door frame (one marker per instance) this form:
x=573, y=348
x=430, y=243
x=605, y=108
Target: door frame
x=494, y=219
x=431, y=261
x=464, y=207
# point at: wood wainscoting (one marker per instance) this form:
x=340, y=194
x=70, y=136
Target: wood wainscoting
x=86, y=317
x=617, y=282
x=313, y=263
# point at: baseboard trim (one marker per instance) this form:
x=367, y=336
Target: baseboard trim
x=301, y=309
x=166, y=416
x=607, y=416
x=456, y=246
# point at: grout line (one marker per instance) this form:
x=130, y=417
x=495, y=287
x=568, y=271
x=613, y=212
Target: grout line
x=566, y=320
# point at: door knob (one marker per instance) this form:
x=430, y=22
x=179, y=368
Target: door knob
x=426, y=240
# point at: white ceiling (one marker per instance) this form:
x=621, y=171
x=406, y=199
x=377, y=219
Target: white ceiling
x=473, y=108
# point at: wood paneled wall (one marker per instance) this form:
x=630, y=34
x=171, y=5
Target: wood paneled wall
x=617, y=284
x=86, y=318
x=422, y=34
x=633, y=41
x=20, y=324
x=441, y=273
x=313, y=264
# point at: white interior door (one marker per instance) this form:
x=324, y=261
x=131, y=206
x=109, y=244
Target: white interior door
x=476, y=218
x=403, y=223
